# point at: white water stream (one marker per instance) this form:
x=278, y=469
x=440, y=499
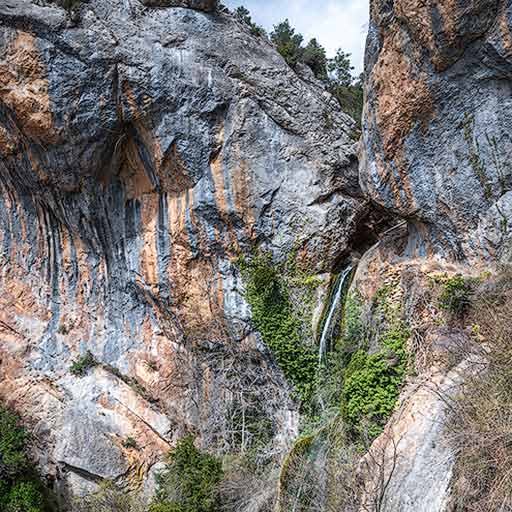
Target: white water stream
x=327, y=330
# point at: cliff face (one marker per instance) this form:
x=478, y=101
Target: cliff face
x=437, y=123
x=436, y=151
x=147, y=145
x=142, y=151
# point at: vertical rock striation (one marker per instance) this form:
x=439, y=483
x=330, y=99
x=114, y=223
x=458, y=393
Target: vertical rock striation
x=142, y=150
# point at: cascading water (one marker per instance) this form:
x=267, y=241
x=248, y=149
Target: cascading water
x=330, y=320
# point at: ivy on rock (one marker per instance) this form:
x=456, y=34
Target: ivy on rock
x=274, y=317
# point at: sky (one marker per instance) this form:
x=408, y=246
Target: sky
x=335, y=23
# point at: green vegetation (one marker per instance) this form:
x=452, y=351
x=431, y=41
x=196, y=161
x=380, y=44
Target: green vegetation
x=288, y=43
x=315, y=57
x=456, y=295
x=189, y=481
x=336, y=73
x=80, y=367
x=152, y=365
x=245, y=16
x=20, y=487
x=131, y=381
x=62, y=329
x=130, y=443
x=342, y=85
x=373, y=382
x=352, y=322
x=274, y=317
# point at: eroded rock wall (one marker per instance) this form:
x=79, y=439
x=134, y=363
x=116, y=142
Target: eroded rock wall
x=409, y=467
x=143, y=150
x=437, y=123
x=436, y=152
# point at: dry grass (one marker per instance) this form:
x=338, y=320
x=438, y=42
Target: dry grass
x=481, y=431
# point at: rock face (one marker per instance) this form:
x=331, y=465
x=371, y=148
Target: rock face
x=436, y=152
x=410, y=465
x=438, y=119
x=200, y=5
x=142, y=150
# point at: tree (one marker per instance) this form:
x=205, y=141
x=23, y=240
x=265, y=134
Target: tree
x=359, y=81
x=288, y=43
x=340, y=69
x=189, y=481
x=244, y=15
x=314, y=56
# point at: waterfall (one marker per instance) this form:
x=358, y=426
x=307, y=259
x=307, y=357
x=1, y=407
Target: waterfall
x=327, y=330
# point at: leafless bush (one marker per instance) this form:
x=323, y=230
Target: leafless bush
x=480, y=429
x=109, y=498
x=377, y=469
x=247, y=487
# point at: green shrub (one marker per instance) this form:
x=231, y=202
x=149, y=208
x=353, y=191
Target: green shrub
x=130, y=443
x=152, y=365
x=456, y=295
x=13, y=440
x=84, y=363
x=189, y=481
x=353, y=328
x=20, y=487
x=245, y=16
x=273, y=317
x=373, y=381
x=24, y=497
x=288, y=42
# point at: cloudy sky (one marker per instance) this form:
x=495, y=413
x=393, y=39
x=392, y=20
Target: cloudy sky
x=335, y=23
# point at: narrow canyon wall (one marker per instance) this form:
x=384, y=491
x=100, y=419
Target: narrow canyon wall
x=437, y=124
x=142, y=151
x=435, y=151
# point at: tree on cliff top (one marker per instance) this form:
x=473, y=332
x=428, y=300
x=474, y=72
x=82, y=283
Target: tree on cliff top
x=315, y=57
x=288, y=43
x=244, y=15
x=340, y=69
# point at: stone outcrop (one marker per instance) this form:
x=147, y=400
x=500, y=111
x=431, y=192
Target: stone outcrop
x=409, y=467
x=436, y=141
x=435, y=151
x=200, y=5
x=142, y=151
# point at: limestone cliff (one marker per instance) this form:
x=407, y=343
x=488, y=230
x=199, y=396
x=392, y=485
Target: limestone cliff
x=438, y=121
x=149, y=148
x=143, y=149
x=435, y=151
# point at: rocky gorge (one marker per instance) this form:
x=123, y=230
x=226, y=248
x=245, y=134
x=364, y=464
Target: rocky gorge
x=180, y=215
